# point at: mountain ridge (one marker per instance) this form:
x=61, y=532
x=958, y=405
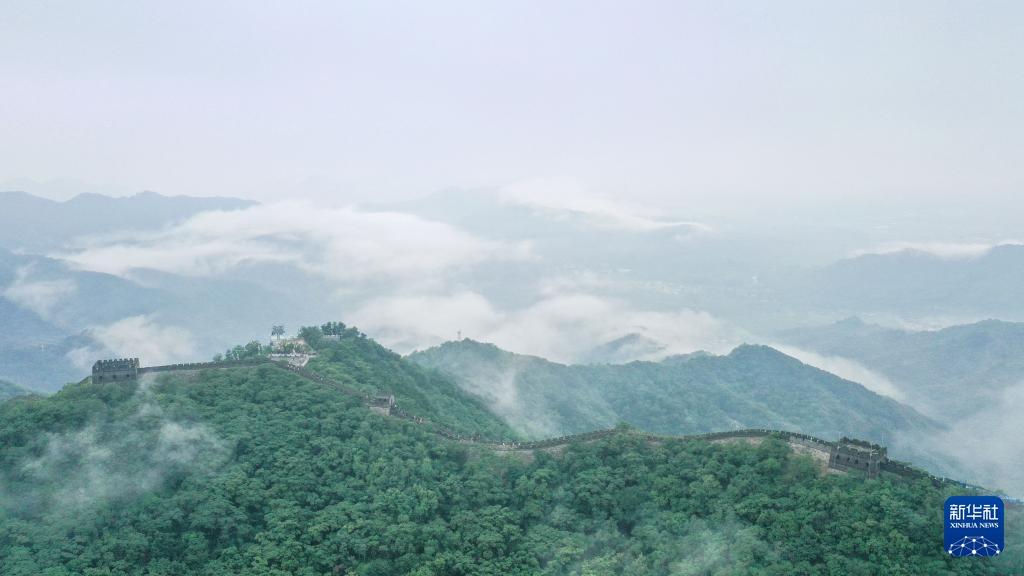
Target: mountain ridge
x=37, y=224
x=986, y=356
x=256, y=470
x=570, y=398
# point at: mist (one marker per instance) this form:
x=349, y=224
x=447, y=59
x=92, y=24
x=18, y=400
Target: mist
x=484, y=287
x=111, y=458
x=588, y=183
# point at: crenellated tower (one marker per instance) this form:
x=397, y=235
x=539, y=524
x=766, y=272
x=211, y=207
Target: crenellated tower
x=117, y=370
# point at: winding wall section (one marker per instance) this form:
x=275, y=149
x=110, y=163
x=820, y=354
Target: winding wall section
x=386, y=405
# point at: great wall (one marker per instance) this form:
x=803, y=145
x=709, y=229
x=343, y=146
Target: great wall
x=843, y=455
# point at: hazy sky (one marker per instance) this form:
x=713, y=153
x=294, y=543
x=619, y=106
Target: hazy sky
x=676, y=104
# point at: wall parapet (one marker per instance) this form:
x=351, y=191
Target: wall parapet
x=187, y=366
x=114, y=370
x=875, y=455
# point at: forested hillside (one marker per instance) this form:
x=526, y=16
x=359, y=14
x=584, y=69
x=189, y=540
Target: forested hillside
x=915, y=284
x=930, y=366
x=257, y=471
x=753, y=387
x=8, y=390
x=362, y=364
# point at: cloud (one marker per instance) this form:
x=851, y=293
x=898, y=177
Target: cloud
x=410, y=322
x=118, y=458
x=39, y=296
x=560, y=327
x=581, y=280
x=567, y=327
x=845, y=368
x=565, y=197
x=407, y=281
x=343, y=245
x=500, y=388
x=950, y=250
x=136, y=336
x=717, y=547
x=987, y=444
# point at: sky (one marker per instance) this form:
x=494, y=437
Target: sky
x=693, y=107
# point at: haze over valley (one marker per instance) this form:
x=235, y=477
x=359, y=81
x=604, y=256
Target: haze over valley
x=571, y=279
x=468, y=289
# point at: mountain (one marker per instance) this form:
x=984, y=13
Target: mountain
x=48, y=308
x=612, y=250
x=33, y=224
x=757, y=274
x=624, y=349
x=917, y=284
x=932, y=366
x=361, y=363
x=752, y=387
x=259, y=471
x=23, y=327
x=69, y=298
x=48, y=367
x=51, y=313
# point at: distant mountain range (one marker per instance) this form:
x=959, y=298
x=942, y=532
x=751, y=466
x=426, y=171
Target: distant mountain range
x=35, y=224
x=916, y=284
x=37, y=345
x=50, y=310
x=932, y=368
x=761, y=278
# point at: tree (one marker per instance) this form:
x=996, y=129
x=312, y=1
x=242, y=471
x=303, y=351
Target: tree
x=311, y=335
x=333, y=328
x=277, y=331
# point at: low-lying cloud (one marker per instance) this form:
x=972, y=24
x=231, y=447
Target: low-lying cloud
x=560, y=327
x=406, y=280
x=116, y=458
x=136, y=336
x=560, y=198
x=988, y=443
x=845, y=368
x=949, y=250
x=343, y=245
x=38, y=295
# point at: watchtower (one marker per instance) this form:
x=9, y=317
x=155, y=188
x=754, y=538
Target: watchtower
x=853, y=454
x=117, y=370
x=383, y=404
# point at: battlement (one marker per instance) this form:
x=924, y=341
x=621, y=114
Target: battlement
x=117, y=370
x=846, y=454
x=853, y=454
x=860, y=443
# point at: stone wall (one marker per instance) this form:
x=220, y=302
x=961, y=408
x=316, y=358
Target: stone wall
x=118, y=370
x=857, y=455
x=844, y=455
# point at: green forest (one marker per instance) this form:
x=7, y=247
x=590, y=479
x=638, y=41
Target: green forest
x=752, y=387
x=258, y=471
x=8, y=390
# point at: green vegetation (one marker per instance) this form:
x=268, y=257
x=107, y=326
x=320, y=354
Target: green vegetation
x=753, y=387
x=358, y=362
x=930, y=366
x=8, y=390
x=257, y=471
x=250, y=351
x=261, y=472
